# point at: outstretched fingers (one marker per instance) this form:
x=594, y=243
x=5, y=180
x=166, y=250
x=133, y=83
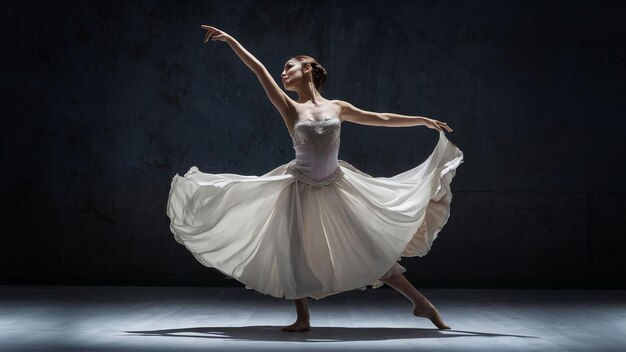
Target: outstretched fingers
x=209, y=32
x=213, y=33
x=442, y=125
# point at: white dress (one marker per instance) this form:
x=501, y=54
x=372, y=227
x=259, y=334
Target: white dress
x=315, y=226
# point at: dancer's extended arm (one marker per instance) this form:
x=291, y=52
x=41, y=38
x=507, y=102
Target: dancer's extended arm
x=282, y=102
x=351, y=113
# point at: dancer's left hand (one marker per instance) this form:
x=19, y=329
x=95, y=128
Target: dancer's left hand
x=437, y=125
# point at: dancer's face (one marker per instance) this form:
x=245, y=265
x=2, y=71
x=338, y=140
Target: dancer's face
x=294, y=74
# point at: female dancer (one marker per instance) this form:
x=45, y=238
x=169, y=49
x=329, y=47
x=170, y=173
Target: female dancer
x=327, y=206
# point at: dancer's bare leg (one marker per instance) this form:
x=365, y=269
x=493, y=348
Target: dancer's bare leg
x=421, y=305
x=302, y=322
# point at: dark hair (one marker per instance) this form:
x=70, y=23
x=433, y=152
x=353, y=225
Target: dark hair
x=319, y=72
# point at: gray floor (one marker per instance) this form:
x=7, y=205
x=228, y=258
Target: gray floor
x=67, y=318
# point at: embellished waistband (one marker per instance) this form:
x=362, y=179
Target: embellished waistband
x=304, y=178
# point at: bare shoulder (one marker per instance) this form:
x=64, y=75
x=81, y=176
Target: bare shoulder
x=353, y=114
x=341, y=106
x=340, y=103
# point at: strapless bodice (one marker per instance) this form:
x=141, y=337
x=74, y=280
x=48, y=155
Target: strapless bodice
x=316, y=144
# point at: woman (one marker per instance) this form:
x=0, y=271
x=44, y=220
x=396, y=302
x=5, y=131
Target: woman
x=317, y=225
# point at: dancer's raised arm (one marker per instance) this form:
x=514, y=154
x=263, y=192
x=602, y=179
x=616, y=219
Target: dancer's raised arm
x=282, y=102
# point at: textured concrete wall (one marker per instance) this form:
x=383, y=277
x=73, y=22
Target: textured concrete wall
x=103, y=102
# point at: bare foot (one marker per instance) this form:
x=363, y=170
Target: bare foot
x=432, y=314
x=297, y=326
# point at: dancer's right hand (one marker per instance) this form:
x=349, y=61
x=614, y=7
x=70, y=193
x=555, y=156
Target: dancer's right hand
x=214, y=34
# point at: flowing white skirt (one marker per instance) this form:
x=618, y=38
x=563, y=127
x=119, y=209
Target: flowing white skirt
x=288, y=239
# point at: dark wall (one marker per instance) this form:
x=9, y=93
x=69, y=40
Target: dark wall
x=103, y=102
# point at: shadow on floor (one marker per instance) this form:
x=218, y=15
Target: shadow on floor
x=316, y=334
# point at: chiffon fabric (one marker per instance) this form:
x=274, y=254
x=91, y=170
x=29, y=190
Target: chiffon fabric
x=315, y=226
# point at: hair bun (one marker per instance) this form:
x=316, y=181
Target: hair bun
x=319, y=75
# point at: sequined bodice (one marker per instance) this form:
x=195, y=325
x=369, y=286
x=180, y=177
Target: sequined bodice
x=318, y=134
x=316, y=144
